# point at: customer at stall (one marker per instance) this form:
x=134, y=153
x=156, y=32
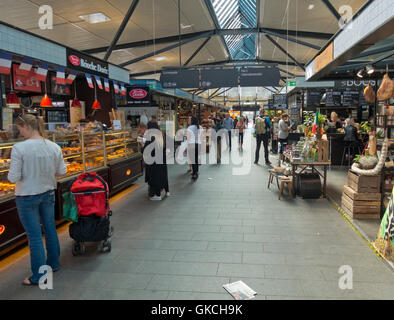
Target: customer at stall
x=156, y=174
x=274, y=135
x=194, y=145
x=228, y=124
x=241, y=126
x=35, y=163
x=262, y=127
x=334, y=124
x=351, y=139
x=283, y=133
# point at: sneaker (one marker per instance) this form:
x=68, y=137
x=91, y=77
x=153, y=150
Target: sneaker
x=268, y=163
x=155, y=198
x=255, y=162
x=168, y=194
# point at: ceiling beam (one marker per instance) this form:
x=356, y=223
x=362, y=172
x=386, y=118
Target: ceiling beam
x=126, y=19
x=375, y=51
x=221, y=32
x=210, y=97
x=332, y=9
x=284, y=51
x=289, y=73
x=285, y=37
x=258, y=8
x=173, y=46
x=225, y=90
x=215, y=20
x=197, y=51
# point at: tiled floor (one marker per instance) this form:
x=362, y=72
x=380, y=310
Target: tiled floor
x=219, y=229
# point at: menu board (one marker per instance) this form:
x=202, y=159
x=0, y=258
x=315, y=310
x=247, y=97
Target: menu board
x=313, y=98
x=271, y=104
x=60, y=89
x=333, y=99
x=351, y=98
x=25, y=81
x=280, y=101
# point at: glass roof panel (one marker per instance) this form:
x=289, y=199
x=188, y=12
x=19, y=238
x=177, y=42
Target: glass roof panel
x=238, y=14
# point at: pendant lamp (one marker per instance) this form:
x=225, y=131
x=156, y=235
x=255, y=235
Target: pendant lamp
x=46, y=102
x=12, y=100
x=96, y=104
x=76, y=103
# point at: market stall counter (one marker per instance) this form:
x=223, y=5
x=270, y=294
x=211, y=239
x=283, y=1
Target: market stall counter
x=112, y=155
x=337, y=146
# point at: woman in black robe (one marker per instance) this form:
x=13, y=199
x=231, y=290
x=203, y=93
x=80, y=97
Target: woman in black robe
x=156, y=174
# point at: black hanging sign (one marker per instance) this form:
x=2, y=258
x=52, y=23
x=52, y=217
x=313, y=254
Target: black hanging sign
x=82, y=62
x=138, y=97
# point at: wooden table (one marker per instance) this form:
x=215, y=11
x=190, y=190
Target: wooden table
x=309, y=164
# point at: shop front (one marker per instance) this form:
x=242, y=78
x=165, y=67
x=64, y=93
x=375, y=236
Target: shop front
x=78, y=97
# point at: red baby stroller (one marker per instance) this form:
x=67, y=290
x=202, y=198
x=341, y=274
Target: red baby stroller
x=91, y=196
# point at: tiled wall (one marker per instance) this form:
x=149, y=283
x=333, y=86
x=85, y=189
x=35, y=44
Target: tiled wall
x=119, y=74
x=376, y=15
x=26, y=45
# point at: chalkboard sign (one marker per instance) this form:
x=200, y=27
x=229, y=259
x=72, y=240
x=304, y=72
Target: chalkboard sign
x=172, y=79
x=271, y=104
x=313, y=98
x=351, y=98
x=280, y=99
x=219, y=78
x=333, y=99
x=259, y=77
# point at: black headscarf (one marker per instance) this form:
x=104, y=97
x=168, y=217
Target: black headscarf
x=153, y=125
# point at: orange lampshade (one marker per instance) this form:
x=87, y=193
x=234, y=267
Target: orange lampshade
x=13, y=101
x=96, y=105
x=76, y=103
x=46, y=102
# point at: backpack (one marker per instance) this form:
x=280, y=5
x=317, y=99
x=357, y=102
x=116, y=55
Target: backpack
x=260, y=126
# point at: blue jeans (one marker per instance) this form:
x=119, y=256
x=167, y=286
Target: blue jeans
x=30, y=210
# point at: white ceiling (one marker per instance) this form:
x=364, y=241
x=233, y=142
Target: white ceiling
x=159, y=18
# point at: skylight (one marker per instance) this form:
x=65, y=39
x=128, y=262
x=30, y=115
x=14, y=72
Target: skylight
x=238, y=14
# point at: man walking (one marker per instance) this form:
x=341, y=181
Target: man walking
x=262, y=127
x=228, y=124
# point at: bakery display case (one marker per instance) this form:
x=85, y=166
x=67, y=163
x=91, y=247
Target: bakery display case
x=123, y=158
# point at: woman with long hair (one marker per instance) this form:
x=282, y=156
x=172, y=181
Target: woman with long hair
x=156, y=174
x=35, y=163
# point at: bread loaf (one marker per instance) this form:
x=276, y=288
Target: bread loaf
x=369, y=94
x=385, y=90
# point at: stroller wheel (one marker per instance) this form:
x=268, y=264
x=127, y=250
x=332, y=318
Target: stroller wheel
x=106, y=246
x=78, y=248
x=111, y=232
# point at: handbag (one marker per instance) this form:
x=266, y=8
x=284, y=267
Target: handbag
x=70, y=209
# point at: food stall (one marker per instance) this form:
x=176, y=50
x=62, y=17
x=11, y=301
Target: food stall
x=74, y=93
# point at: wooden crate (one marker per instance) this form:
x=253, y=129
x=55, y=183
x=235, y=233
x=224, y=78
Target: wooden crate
x=361, y=205
x=364, y=184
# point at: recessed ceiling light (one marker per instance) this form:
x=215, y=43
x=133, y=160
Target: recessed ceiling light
x=311, y=6
x=186, y=26
x=159, y=58
x=95, y=17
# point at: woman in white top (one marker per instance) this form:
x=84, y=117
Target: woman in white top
x=35, y=163
x=194, y=145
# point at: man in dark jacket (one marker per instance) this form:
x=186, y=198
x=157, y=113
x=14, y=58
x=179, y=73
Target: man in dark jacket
x=262, y=135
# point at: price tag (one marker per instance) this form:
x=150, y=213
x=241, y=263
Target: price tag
x=117, y=125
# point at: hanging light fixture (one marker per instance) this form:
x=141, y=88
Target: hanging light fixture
x=76, y=103
x=45, y=101
x=96, y=104
x=12, y=100
x=370, y=69
x=361, y=73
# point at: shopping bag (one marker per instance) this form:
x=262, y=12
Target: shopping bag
x=70, y=209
